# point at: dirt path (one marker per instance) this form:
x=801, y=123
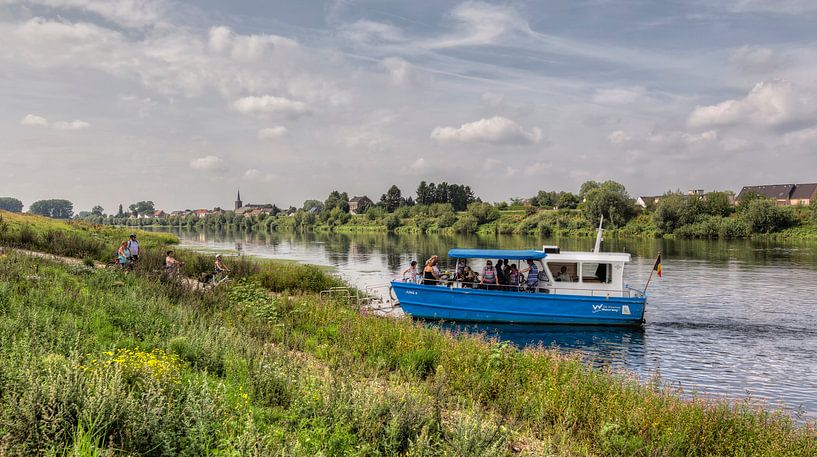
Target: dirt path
x=190, y=283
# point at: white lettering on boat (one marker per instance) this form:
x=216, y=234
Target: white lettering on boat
x=606, y=308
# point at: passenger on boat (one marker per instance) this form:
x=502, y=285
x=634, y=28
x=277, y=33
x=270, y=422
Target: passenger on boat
x=431, y=273
x=507, y=267
x=501, y=279
x=460, y=274
x=513, y=276
x=533, y=275
x=411, y=274
x=470, y=277
x=563, y=275
x=488, y=279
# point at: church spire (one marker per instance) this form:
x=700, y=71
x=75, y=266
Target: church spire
x=238, y=203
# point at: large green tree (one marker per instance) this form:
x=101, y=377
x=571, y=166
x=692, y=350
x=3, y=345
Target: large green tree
x=392, y=199
x=143, y=207
x=609, y=199
x=97, y=210
x=337, y=200
x=11, y=204
x=56, y=208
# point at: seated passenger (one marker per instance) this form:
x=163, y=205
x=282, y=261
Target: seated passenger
x=431, y=273
x=563, y=275
x=460, y=274
x=470, y=277
x=533, y=275
x=488, y=279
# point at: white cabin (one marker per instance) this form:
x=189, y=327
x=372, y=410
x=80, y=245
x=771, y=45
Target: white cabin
x=584, y=273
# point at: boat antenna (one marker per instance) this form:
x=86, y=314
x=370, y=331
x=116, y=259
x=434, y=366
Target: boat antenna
x=598, y=236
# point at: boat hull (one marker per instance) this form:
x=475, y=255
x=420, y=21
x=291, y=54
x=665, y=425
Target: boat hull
x=474, y=305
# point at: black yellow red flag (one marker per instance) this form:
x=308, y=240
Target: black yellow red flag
x=657, y=266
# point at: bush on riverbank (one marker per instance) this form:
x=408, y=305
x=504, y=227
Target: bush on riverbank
x=114, y=363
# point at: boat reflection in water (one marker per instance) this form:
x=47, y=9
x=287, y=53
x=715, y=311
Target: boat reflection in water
x=601, y=346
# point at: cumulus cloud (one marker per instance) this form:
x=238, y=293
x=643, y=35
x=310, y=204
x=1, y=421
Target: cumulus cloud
x=479, y=23
x=753, y=59
x=801, y=137
x=419, y=164
x=271, y=133
x=769, y=104
x=402, y=73
x=208, y=163
x=32, y=120
x=252, y=173
x=269, y=104
x=245, y=48
x=495, y=130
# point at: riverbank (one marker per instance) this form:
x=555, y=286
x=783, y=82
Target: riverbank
x=258, y=373
x=562, y=223
x=254, y=372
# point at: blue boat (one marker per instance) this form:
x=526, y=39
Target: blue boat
x=570, y=288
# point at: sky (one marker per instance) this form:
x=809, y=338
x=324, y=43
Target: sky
x=183, y=102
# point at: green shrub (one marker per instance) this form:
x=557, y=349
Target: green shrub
x=763, y=216
x=391, y=222
x=483, y=212
x=293, y=276
x=466, y=224
x=446, y=220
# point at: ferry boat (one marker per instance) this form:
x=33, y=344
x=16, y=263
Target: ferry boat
x=571, y=288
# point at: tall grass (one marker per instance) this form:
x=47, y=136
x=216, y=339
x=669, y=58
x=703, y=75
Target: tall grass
x=72, y=238
x=137, y=364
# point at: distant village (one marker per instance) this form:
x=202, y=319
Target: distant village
x=782, y=194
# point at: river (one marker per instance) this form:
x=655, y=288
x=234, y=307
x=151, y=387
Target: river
x=731, y=319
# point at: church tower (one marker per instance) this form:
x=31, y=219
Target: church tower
x=238, y=203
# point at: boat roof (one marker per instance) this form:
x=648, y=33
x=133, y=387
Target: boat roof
x=521, y=254
x=582, y=256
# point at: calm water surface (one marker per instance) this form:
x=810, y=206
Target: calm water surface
x=732, y=319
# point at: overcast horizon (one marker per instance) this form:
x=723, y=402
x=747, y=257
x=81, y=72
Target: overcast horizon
x=183, y=102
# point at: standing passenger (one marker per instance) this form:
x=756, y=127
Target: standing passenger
x=513, y=277
x=488, y=276
x=501, y=279
x=533, y=275
x=412, y=271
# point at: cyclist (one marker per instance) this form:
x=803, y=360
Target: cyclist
x=172, y=265
x=220, y=269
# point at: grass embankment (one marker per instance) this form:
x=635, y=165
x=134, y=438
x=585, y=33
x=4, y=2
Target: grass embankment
x=72, y=239
x=94, y=362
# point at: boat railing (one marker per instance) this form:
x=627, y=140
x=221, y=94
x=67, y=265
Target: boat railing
x=627, y=292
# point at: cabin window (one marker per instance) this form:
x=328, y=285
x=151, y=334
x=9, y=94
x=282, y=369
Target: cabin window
x=564, y=271
x=597, y=272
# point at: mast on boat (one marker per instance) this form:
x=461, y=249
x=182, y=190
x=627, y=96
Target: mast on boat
x=598, y=236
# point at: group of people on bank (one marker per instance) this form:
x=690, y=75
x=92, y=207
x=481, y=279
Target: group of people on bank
x=128, y=253
x=501, y=276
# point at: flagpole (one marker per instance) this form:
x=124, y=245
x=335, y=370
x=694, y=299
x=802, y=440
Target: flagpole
x=651, y=271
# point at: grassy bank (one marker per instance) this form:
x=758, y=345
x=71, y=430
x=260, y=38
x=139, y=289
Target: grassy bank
x=94, y=362
x=73, y=239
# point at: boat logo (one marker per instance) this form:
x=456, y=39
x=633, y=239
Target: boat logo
x=411, y=292
x=605, y=308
